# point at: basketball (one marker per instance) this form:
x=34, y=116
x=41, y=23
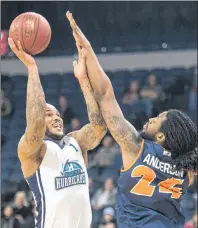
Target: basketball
x=32, y=30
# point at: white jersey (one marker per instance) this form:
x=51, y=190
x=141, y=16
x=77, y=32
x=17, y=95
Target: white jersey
x=60, y=187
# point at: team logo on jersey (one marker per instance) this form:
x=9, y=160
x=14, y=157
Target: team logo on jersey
x=72, y=174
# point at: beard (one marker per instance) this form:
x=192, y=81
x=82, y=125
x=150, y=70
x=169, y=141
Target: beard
x=55, y=137
x=145, y=135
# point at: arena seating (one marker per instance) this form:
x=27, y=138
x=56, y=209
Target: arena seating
x=55, y=85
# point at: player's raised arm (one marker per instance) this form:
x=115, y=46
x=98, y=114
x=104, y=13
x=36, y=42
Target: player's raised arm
x=91, y=134
x=91, y=58
x=122, y=131
x=32, y=140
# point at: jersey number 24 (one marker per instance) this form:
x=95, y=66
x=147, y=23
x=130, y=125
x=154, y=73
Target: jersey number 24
x=144, y=187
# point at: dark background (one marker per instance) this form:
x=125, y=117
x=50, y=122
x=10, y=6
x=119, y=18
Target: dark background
x=127, y=25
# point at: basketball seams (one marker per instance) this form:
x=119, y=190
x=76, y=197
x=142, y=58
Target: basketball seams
x=43, y=43
x=33, y=31
x=36, y=34
x=23, y=43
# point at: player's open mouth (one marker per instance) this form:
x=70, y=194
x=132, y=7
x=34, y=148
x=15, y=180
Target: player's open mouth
x=58, y=126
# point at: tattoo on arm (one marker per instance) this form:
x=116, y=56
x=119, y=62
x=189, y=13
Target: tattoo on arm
x=86, y=137
x=94, y=113
x=122, y=131
x=35, y=106
x=34, y=138
x=91, y=134
x=95, y=118
x=99, y=97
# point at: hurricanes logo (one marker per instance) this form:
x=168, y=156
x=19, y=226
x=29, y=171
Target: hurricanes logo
x=72, y=174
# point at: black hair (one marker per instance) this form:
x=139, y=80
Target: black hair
x=181, y=139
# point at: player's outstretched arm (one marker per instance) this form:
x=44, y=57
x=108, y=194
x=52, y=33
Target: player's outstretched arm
x=99, y=84
x=122, y=131
x=91, y=134
x=32, y=140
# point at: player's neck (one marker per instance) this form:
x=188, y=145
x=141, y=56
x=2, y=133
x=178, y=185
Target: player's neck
x=55, y=138
x=60, y=143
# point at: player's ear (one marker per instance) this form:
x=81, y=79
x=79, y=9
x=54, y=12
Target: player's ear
x=160, y=137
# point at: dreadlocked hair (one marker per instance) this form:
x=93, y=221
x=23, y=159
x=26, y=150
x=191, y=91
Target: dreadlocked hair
x=181, y=139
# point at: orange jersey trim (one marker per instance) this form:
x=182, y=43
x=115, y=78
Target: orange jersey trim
x=138, y=155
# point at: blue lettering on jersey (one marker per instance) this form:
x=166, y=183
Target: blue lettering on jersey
x=72, y=174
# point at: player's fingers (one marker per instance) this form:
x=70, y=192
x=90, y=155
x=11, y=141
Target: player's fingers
x=12, y=45
x=79, y=51
x=70, y=18
x=75, y=36
x=72, y=21
x=83, y=54
x=73, y=26
x=83, y=60
x=20, y=47
x=67, y=14
x=77, y=32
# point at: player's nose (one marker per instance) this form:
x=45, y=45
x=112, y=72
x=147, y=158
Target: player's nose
x=57, y=118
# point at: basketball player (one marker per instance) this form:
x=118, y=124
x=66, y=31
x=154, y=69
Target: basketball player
x=155, y=162
x=53, y=164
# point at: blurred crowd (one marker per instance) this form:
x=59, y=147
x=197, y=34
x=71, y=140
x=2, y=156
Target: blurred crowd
x=105, y=160
x=173, y=24
x=20, y=212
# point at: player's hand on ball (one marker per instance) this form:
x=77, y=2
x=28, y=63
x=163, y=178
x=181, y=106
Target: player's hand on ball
x=77, y=33
x=80, y=70
x=26, y=59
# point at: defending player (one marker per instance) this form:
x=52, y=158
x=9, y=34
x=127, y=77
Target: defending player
x=52, y=163
x=155, y=162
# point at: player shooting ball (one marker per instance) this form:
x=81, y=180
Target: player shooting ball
x=54, y=164
x=157, y=162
